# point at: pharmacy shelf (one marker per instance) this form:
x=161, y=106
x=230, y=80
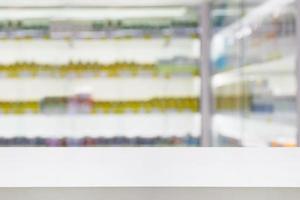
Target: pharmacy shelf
x=279, y=73
x=118, y=34
x=253, y=130
x=102, y=51
x=102, y=88
x=256, y=129
x=150, y=167
x=107, y=125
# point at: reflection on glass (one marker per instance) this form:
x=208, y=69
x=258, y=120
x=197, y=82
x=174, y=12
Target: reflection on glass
x=254, y=83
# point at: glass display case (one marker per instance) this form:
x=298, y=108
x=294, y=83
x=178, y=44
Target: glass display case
x=254, y=83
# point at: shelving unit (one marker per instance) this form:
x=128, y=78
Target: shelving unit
x=53, y=34
x=173, y=39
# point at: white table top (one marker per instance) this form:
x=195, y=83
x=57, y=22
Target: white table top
x=203, y=167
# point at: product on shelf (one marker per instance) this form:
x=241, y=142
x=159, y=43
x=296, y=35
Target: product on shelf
x=79, y=69
x=233, y=103
x=84, y=104
x=179, y=65
x=18, y=107
x=187, y=140
x=113, y=29
x=54, y=105
x=80, y=103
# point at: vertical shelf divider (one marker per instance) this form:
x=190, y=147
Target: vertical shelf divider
x=206, y=103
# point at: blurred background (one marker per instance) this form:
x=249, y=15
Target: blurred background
x=128, y=73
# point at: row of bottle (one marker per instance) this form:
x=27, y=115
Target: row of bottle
x=166, y=35
x=102, y=24
x=187, y=140
x=84, y=104
x=153, y=105
x=118, y=29
x=95, y=70
x=81, y=104
x=236, y=102
x=249, y=102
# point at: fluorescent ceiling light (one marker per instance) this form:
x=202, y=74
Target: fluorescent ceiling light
x=89, y=13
